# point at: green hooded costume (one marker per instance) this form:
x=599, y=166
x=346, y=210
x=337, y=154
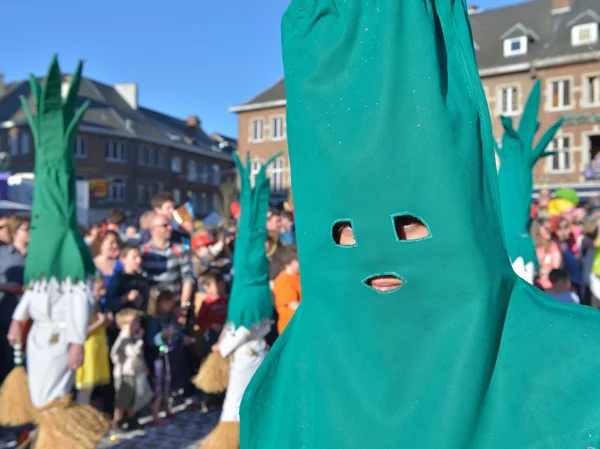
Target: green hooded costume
x=58, y=271
x=387, y=115
x=56, y=248
x=518, y=156
x=250, y=303
x=250, y=310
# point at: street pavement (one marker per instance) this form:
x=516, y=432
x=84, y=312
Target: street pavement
x=181, y=433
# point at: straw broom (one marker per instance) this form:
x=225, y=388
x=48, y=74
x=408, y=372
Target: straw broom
x=213, y=375
x=15, y=403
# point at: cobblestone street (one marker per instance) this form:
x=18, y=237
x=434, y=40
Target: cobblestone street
x=181, y=433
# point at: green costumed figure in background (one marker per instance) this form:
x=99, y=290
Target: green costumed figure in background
x=414, y=331
x=250, y=311
x=518, y=156
x=58, y=271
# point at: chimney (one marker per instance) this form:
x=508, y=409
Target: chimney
x=129, y=92
x=193, y=121
x=2, y=86
x=560, y=6
x=193, y=124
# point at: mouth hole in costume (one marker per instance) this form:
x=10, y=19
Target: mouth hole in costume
x=343, y=233
x=385, y=283
x=410, y=228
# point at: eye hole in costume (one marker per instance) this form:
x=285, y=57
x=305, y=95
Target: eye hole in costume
x=343, y=233
x=410, y=228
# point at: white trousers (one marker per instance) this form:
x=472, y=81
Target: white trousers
x=244, y=362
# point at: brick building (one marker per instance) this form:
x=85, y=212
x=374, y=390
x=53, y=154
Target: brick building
x=263, y=134
x=127, y=152
x=555, y=41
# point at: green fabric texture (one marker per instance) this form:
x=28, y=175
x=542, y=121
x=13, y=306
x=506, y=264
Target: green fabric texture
x=56, y=248
x=250, y=302
x=386, y=115
x=518, y=156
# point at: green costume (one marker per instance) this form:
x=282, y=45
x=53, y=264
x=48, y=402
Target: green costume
x=387, y=115
x=58, y=271
x=250, y=310
x=250, y=303
x=56, y=247
x=518, y=156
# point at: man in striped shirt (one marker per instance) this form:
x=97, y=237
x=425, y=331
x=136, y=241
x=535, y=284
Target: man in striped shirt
x=167, y=264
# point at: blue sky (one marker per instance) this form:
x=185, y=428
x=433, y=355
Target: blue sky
x=187, y=56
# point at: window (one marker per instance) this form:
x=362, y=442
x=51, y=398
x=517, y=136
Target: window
x=24, y=143
x=176, y=164
x=152, y=157
x=141, y=193
x=202, y=173
x=515, y=46
x=192, y=171
x=257, y=130
x=177, y=196
x=561, y=161
x=203, y=206
x=162, y=157
x=116, y=190
x=216, y=175
x=151, y=191
x=508, y=101
x=584, y=34
x=192, y=198
x=115, y=151
x=592, y=91
x=81, y=147
x=560, y=94
x=143, y=155
x=255, y=168
x=277, y=128
x=277, y=174
x=13, y=142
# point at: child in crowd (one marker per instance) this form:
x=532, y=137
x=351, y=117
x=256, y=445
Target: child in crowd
x=588, y=243
x=286, y=287
x=168, y=339
x=95, y=370
x=210, y=306
x=561, y=287
x=132, y=287
x=210, y=311
x=202, y=256
x=127, y=355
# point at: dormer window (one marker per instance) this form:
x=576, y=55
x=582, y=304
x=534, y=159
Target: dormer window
x=515, y=46
x=584, y=34
x=517, y=39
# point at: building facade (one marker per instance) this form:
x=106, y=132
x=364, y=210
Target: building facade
x=554, y=41
x=557, y=43
x=126, y=152
x=263, y=134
